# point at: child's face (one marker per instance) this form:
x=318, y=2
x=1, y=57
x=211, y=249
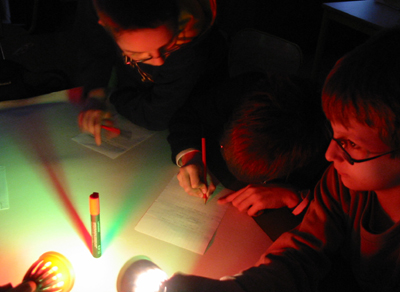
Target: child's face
x=147, y=45
x=362, y=142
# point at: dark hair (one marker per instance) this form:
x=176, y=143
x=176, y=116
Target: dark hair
x=277, y=129
x=120, y=15
x=365, y=85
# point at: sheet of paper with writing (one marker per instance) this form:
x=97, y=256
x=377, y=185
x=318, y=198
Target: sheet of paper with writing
x=114, y=147
x=183, y=220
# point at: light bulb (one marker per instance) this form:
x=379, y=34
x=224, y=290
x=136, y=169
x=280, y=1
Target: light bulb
x=52, y=272
x=140, y=274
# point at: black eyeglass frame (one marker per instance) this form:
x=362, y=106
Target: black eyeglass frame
x=351, y=160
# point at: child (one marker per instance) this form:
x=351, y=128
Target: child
x=355, y=212
x=265, y=133
x=153, y=53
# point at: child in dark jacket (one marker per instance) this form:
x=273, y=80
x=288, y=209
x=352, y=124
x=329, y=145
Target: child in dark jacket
x=148, y=57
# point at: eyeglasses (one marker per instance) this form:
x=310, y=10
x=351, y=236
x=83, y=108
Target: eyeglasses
x=351, y=160
x=145, y=76
x=164, y=53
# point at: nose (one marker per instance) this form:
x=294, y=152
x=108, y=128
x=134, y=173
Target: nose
x=157, y=60
x=334, y=153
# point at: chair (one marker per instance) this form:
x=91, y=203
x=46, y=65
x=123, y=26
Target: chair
x=254, y=50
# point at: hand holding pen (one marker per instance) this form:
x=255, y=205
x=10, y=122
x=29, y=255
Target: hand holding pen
x=91, y=121
x=191, y=176
x=94, y=121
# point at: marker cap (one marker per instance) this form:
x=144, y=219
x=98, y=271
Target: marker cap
x=94, y=203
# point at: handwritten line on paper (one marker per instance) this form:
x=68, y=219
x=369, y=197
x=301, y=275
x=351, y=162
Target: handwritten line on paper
x=183, y=220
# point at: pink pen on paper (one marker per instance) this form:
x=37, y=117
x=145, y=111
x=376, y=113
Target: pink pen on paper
x=111, y=129
x=125, y=134
x=203, y=157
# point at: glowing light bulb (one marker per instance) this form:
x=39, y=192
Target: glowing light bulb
x=150, y=281
x=140, y=274
x=52, y=272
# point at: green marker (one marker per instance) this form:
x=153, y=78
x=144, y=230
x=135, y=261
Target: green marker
x=94, y=203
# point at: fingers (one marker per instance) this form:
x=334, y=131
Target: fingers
x=190, y=179
x=210, y=189
x=255, y=210
x=232, y=196
x=91, y=120
x=255, y=198
x=245, y=200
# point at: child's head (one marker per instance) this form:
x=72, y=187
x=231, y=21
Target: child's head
x=361, y=98
x=145, y=30
x=278, y=129
x=365, y=86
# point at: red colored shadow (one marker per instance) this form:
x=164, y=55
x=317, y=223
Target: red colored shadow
x=40, y=141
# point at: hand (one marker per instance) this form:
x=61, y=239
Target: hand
x=181, y=282
x=191, y=176
x=191, y=180
x=254, y=198
x=190, y=283
x=91, y=120
x=29, y=286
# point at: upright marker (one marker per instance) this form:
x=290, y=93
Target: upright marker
x=94, y=203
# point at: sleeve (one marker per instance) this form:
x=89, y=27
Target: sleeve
x=299, y=259
x=306, y=196
x=6, y=288
x=189, y=283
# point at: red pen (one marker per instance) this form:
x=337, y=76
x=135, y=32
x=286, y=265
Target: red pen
x=111, y=129
x=122, y=133
x=203, y=157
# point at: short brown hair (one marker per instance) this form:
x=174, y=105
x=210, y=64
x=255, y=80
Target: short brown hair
x=365, y=85
x=277, y=130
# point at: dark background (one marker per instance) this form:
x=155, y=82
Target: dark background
x=41, y=35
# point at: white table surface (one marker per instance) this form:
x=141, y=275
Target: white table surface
x=50, y=178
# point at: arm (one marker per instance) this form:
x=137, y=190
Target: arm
x=299, y=259
x=296, y=261
x=254, y=198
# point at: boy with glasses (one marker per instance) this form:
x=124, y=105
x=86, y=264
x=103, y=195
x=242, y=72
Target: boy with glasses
x=151, y=54
x=355, y=213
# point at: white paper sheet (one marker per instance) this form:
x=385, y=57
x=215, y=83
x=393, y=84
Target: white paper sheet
x=183, y=220
x=132, y=136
